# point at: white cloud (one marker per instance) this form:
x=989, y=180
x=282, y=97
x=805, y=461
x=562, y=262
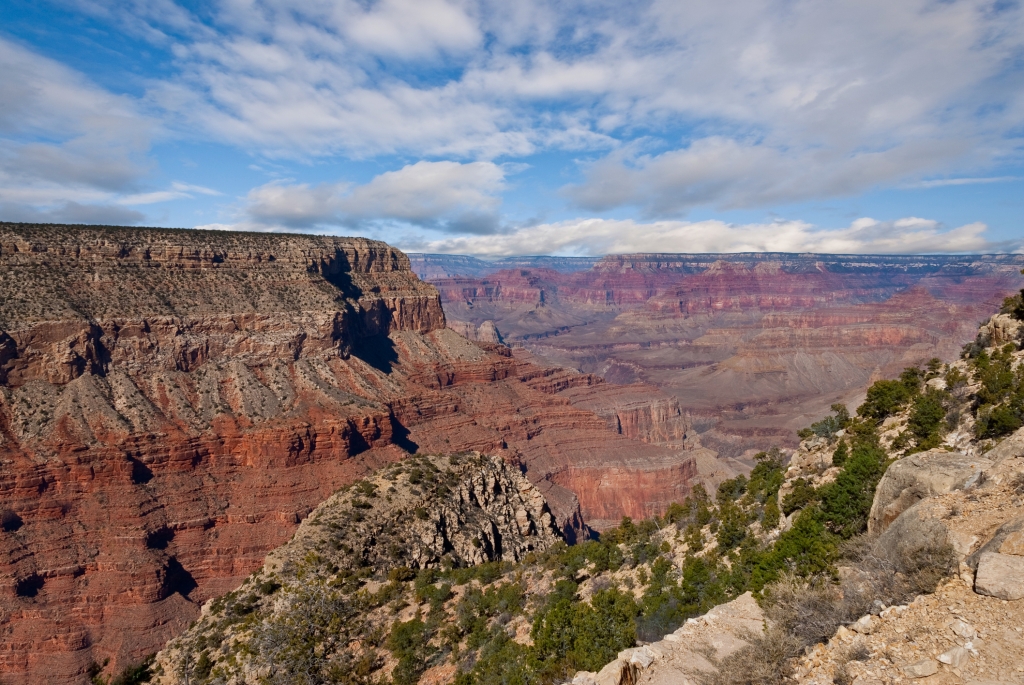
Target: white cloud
x=69, y=150
x=605, y=236
x=851, y=94
x=180, y=187
x=943, y=182
x=71, y=213
x=177, y=191
x=410, y=28
x=444, y=195
x=729, y=174
x=754, y=104
x=57, y=129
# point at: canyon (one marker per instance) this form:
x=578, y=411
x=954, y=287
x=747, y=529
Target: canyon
x=174, y=403
x=752, y=347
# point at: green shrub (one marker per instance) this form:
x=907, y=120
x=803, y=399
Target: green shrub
x=884, y=399
x=585, y=636
x=799, y=497
x=732, y=528
x=767, y=476
x=408, y=643
x=401, y=574
x=1014, y=306
x=772, y=516
x=828, y=426
x=846, y=501
x=732, y=489
x=840, y=455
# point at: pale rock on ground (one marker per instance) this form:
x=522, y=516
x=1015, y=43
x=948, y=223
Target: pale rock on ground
x=681, y=656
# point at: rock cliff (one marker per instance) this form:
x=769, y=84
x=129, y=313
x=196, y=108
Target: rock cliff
x=174, y=403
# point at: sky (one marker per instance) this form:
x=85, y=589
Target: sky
x=505, y=128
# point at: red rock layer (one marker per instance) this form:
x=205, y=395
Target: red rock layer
x=173, y=403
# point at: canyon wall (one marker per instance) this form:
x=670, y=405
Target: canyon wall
x=174, y=403
x=751, y=346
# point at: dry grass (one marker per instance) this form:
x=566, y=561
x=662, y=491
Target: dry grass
x=764, y=661
x=802, y=612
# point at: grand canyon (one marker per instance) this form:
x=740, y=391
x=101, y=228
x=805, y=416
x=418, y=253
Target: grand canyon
x=752, y=346
x=174, y=403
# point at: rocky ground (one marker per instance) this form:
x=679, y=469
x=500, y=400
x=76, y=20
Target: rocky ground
x=972, y=628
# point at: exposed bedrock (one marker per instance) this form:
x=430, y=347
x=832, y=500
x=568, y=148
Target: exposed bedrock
x=174, y=403
x=918, y=477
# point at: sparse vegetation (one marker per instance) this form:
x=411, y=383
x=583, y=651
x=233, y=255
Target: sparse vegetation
x=574, y=607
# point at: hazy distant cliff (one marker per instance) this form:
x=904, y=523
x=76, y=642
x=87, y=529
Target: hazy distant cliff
x=753, y=345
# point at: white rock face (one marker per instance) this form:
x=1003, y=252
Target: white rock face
x=999, y=330
x=964, y=630
x=1000, y=575
x=865, y=625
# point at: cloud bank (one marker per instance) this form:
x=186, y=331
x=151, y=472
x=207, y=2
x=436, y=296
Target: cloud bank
x=594, y=237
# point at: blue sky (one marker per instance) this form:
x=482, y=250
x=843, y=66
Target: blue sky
x=498, y=128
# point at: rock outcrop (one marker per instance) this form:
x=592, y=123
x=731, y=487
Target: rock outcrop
x=173, y=404
x=918, y=477
x=684, y=656
x=453, y=510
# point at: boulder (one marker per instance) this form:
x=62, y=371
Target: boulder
x=918, y=476
x=954, y=657
x=1013, y=544
x=921, y=527
x=1005, y=541
x=865, y=625
x=615, y=673
x=964, y=630
x=922, y=668
x=1000, y=575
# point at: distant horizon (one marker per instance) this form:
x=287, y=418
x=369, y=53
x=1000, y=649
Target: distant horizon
x=491, y=258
